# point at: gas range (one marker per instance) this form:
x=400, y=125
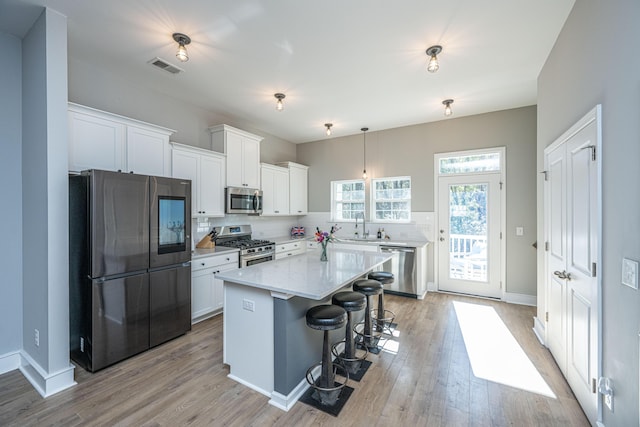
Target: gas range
x=252, y=251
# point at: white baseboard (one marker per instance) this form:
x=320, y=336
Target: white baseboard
x=539, y=330
x=522, y=299
x=10, y=362
x=251, y=386
x=46, y=384
x=286, y=402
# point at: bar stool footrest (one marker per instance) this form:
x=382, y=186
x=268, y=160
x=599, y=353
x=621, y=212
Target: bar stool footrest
x=326, y=395
x=384, y=324
x=352, y=365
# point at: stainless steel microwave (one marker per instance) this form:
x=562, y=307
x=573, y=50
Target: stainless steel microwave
x=243, y=201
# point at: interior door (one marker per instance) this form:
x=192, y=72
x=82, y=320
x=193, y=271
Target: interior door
x=469, y=247
x=572, y=284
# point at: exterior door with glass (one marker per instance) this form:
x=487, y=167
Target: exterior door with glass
x=469, y=227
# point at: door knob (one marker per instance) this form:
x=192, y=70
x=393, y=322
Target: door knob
x=442, y=239
x=441, y=231
x=563, y=274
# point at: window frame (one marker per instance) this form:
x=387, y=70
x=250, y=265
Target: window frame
x=334, y=201
x=374, y=200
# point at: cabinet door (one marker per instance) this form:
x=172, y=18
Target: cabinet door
x=147, y=152
x=234, y=160
x=251, y=162
x=211, y=184
x=95, y=143
x=185, y=165
x=298, y=187
x=281, y=185
x=218, y=286
x=268, y=191
x=202, y=292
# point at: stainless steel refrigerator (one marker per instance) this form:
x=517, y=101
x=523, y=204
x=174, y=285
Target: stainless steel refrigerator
x=129, y=264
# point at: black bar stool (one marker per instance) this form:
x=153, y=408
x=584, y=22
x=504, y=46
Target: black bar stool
x=325, y=318
x=368, y=288
x=350, y=301
x=384, y=318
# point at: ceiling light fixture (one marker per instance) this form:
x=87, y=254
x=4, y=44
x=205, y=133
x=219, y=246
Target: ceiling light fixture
x=182, y=40
x=433, y=65
x=328, y=126
x=279, y=97
x=364, y=152
x=447, y=107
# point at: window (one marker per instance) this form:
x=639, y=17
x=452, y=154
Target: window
x=469, y=163
x=348, y=199
x=391, y=199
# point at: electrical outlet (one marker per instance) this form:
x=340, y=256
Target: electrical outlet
x=36, y=337
x=248, y=305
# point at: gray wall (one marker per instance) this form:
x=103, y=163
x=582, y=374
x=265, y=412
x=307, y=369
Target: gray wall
x=11, y=194
x=45, y=193
x=409, y=151
x=97, y=88
x=595, y=60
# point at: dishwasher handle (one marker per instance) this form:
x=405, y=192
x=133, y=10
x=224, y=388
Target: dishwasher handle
x=397, y=249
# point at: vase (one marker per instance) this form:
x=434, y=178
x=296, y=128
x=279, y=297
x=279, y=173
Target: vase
x=323, y=255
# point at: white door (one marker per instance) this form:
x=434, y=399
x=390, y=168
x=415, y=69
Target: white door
x=469, y=234
x=572, y=227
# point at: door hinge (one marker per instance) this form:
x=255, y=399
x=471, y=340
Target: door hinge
x=593, y=385
x=546, y=246
x=546, y=316
x=593, y=151
x=500, y=285
x=546, y=175
x=501, y=235
x=593, y=269
x=501, y=185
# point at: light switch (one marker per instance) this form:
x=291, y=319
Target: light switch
x=519, y=231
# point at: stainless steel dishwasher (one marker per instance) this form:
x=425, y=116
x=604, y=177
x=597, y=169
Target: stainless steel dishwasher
x=403, y=267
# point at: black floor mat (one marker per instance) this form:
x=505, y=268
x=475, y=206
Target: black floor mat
x=358, y=375
x=332, y=410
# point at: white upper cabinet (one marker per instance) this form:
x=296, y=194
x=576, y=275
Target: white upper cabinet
x=206, y=170
x=298, y=191
x=243, y=155
x=101, y=140
x=275, y=190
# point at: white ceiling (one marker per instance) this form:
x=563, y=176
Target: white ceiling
x=353, y=63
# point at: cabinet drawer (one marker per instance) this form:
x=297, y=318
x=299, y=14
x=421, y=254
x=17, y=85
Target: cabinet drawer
x=296, y=247
x=214, y=261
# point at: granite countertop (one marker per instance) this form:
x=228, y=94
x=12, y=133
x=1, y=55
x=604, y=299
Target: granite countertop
x=415, y=242
x=201, y=253
x=305, y=275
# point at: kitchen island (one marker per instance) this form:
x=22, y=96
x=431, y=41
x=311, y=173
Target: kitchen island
x=267, y=343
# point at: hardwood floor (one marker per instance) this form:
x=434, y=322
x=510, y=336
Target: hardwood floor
x=428, y=381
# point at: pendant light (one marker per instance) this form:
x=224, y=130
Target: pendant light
x=447, y=107
x=279, y=97
x=182, y=40
x=328, y=126
x=433, y=53
x=364, y=152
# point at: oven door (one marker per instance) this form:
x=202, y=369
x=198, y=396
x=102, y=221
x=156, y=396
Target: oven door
x=249, y=260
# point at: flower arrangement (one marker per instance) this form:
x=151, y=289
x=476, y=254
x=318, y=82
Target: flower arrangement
x=324, y=237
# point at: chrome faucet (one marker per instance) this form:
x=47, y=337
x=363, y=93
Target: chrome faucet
x=364, y=225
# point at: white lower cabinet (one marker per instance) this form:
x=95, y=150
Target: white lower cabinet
x=206, y=290
x=284, y=250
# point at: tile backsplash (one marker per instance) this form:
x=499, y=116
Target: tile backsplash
x=264, y=227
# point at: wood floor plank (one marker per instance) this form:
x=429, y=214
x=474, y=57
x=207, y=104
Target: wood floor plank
x=422, y=378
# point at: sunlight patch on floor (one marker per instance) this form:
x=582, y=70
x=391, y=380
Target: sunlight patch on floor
x=494, y=353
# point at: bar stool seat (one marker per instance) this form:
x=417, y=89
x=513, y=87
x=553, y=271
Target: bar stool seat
x=383, y=277
x=325, y=318
x=368, y=288
x=350, y=301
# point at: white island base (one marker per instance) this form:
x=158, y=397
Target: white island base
x=267, y=343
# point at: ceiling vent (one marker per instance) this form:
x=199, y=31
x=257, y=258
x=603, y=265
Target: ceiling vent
x=166, y=66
